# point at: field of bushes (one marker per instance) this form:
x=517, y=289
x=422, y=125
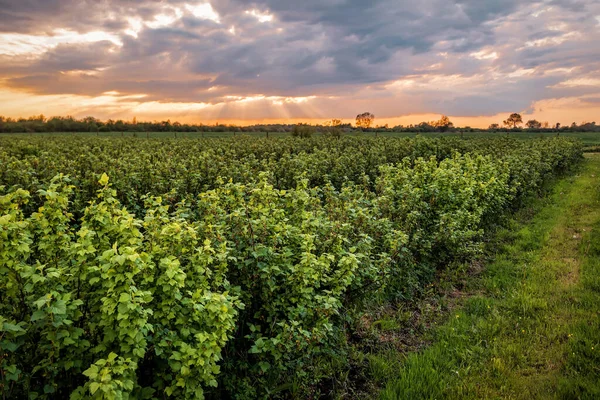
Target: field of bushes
x=231, y=268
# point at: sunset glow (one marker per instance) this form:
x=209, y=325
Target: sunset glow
x=286, y=61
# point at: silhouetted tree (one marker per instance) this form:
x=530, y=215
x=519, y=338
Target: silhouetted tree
x=443, y=124
x=365, y=120
x=533, y=124
x=513, y=121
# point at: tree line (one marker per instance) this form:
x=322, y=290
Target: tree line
x=364, y=122
x=515, y=121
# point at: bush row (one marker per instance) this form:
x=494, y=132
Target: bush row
x=245, y=290
x=188, y=167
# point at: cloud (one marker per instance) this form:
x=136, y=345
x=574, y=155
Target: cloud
x=463, y=57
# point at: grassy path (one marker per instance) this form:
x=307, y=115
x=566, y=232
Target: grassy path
x=532, y=329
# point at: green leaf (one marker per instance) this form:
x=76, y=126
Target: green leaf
x=94, y=386
x=103, y=180
x=59, y=307
x=37, y=315
x=49, y=389
x=264, y=366
x=91, y=372
x=7, y=327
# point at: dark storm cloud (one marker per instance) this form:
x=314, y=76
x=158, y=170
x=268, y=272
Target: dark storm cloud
x=310, y=47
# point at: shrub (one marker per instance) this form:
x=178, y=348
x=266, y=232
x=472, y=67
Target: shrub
x=303, y=131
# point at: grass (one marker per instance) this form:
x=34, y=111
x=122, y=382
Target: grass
x=530, y=327
x=588, y=138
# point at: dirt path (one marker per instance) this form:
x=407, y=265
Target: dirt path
x=534, y=331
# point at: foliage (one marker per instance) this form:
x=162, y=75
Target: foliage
x=303, y=131
x=232, y=269
x=107, y=311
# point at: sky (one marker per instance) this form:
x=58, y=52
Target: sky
x=278, y=61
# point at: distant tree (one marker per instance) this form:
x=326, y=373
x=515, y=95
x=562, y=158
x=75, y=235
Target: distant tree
x=166, y=126
x=557, y=125
x=89, y=120
x=513, y=121
x=443, y=124
x=120, y=125
x=332, y=128
x=588, y=127
x=545, y=125
x=303, y=131
x=425, y=127
x=365, y=120
x=533, y=124
x=494, y=127
x=37, y=118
